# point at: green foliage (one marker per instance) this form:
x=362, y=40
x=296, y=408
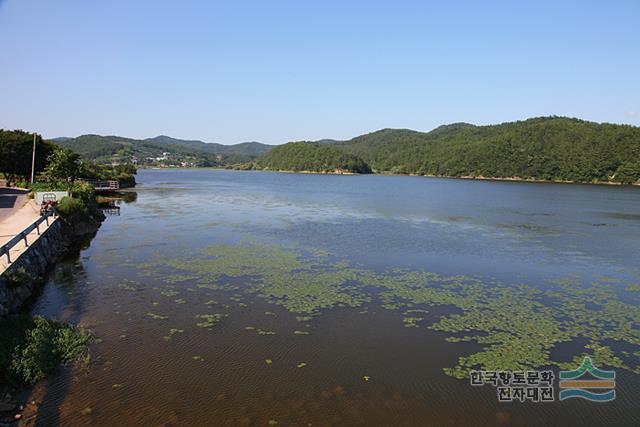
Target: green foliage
x=82, y=201
x=110, y=149
x=313, y=157
x=546, y=148
x=63, y=165
x=17, y=277
x=34, y=347
x=16, y=154
x=83, y=191
x=69, y=206
x=123, y=173
x=628, y=172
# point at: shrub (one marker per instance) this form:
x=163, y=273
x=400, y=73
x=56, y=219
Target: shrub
x=46, y=345
x=70, y=205
x=83, y=191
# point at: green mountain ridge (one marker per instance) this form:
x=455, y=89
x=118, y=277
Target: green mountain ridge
x=107, y=149
x=542, y=148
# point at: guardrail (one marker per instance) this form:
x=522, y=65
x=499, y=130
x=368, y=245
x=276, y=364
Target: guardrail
x=4, y=249
x=103, y=184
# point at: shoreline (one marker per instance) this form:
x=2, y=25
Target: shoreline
x=465, y=177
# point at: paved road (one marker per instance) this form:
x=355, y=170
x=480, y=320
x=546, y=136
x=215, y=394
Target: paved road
x=11, y=200
x=17, y=212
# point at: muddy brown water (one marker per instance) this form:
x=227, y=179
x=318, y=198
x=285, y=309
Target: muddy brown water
x=219, y=376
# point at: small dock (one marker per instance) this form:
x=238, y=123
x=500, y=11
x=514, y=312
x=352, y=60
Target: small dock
x=103, y=185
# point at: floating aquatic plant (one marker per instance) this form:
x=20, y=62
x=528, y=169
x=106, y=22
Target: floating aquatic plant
x=172, y=332
x=516, y=325
x=157, y=316
x=208, y=320
x=169, y=293
x=411, y=322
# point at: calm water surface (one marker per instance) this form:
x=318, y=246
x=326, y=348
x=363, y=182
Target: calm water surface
x=152, y=364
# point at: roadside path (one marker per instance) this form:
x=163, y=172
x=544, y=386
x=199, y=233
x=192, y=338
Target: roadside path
x=17, y=212
x=11, y=199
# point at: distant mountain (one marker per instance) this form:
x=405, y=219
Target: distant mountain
x=119, y=149
x=544, y=148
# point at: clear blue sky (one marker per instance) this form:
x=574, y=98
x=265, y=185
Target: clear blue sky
x=289, y=70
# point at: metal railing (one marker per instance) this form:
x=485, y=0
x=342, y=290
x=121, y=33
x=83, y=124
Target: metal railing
x=6, y=248
x=103, y=184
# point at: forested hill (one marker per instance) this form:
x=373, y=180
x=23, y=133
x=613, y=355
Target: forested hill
x=311, y=157
x=546, y=148
x=109, y=149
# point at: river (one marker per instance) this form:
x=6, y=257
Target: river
x=254, y=298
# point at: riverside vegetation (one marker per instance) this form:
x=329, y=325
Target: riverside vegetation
x=54, y=164
x=32, y=347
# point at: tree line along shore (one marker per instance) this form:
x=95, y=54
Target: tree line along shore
x=557, y=149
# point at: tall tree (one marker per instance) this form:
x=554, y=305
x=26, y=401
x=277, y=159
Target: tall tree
x=16, y=151
x=64, y=165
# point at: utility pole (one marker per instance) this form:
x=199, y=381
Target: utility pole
x=33, y=159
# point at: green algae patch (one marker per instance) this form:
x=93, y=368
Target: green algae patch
x=169, y=293
x=288, y=278
x=515, y=326
x=156, y=316
x=208, y=320
x=411, y=322
x=172, y=332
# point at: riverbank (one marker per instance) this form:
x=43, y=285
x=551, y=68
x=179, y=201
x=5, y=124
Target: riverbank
x=465, y=177
x=30, y=262
x=35, y=346
x=514, y=179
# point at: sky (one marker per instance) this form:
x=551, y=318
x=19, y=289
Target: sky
x=278, y=71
